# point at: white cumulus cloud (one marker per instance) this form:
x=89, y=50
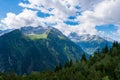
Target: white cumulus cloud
x=92, y=13
x=25, y=18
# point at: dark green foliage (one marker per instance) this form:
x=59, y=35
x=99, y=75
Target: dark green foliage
x=68, y=64
x=105, y=49
x=58, y=67
x=103, y=66
x=115, y=44
x=117, y=71
x=83, y=58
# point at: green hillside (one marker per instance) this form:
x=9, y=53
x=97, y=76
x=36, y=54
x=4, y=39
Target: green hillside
x=22, y=52
x=39, y=36
x=103, y=65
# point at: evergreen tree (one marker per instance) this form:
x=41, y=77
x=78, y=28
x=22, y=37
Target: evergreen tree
x=83, y=58
x=105, y=49
x=115, y=44
x=58, y=67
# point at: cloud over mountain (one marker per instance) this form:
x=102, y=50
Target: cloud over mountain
x=87, y=13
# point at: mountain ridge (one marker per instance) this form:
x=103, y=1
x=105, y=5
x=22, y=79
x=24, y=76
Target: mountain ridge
x=20, y=53
x=90, y=43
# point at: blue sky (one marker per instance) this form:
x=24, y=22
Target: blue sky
x=67, y=16
x=107, y=28
x=110, y=28
x=9, y=6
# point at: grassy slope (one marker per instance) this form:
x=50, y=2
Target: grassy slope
x=37, y=36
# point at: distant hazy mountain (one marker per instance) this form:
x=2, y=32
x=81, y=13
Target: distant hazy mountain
x=35, y=49
x=90, y=43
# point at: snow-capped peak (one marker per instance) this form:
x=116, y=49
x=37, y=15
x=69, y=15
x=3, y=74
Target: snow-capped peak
x=85, y=37
x=108, y=38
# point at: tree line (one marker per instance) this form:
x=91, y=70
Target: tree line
x=103, y=65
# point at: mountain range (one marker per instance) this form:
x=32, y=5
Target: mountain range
x=90, y=43
x=36, y=49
